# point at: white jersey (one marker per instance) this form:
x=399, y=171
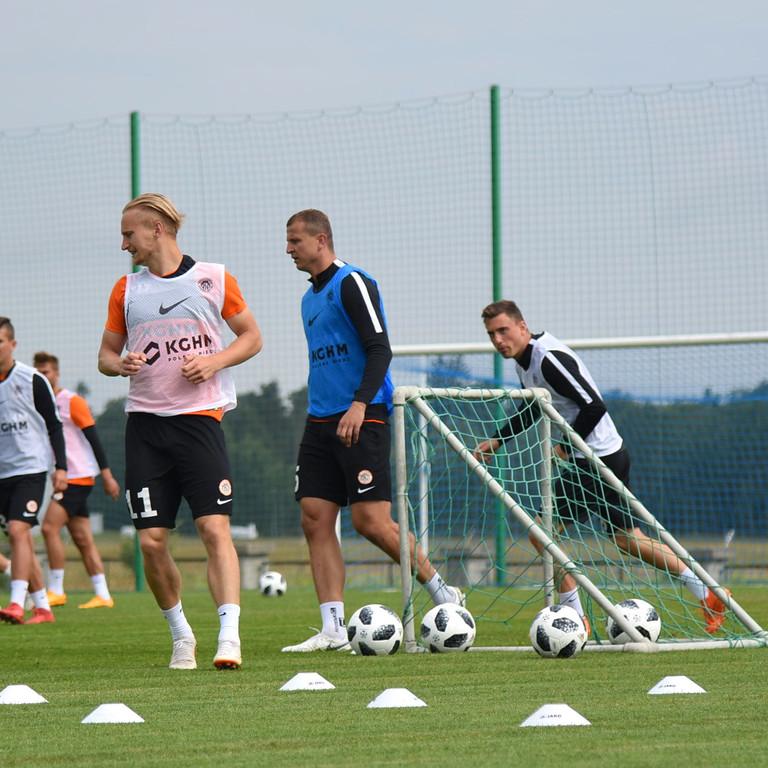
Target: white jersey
x=80, y=459
x=24, y=445
x=168, y=318
x=571, y=386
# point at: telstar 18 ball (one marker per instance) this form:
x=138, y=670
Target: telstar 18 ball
x=641, y=615
x=447, y=628
x=272, y=584
x=375, y=630
x=558, y=632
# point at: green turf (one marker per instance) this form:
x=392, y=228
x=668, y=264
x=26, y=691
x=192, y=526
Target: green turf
x=475, y=701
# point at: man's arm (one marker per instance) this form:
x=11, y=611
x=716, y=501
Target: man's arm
x=45, y=405
x=110, y=361
x=360, y=299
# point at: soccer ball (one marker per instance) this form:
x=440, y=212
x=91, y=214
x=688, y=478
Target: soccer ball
x=643, y=616
x=375, y=630
x=447, y=628
x=272, y=584
x=558, y=632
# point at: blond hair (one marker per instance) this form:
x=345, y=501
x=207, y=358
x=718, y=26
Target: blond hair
x=154, y=205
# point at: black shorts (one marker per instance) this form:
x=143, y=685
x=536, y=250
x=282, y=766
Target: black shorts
x=74, y=500
x=167, y=457
x=328, y=469
x=20, y=498
x=580, y=492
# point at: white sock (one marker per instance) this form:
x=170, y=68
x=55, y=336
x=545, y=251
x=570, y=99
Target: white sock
x=695, y=584
x=439, y=591
x=7, y=571
x=229, y=618
x=178, y=623
x=56, y=580
x=572, y=600
x=99, y=582
x=333, y=620
x=19, y=591
x=40, y=599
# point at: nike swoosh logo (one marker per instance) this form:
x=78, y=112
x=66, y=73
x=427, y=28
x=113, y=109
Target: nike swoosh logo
x=365, y=490
x=312, y=319
x=29, y=514
x=223, y=501
x=166, y=310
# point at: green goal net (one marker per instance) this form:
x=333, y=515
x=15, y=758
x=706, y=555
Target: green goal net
x=477, y=523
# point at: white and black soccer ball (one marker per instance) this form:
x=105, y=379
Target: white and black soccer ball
x=558, y=632
x=272, y=584
x=375, y=630
x=448, y=628
x=643, y=617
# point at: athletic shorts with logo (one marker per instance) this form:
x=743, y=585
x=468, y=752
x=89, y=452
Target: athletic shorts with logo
x=74, y=500
x=581, y=492
x=170, y=457
x=328, y=469
x=20, y=498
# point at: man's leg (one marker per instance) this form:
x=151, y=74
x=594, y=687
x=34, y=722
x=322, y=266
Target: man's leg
x=55, y=518
x=80, y=529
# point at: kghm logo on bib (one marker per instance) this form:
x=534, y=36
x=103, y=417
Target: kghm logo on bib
x=365, y=477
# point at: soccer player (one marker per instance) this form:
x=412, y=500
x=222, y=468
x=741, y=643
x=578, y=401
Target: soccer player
x=85, y=458
x=171, y=318
x=31, y=428
x=543, y=361
x=344, y=453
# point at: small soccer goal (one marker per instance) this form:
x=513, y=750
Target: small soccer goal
x=476, y=522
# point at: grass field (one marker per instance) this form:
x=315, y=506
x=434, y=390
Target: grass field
x=475, y=701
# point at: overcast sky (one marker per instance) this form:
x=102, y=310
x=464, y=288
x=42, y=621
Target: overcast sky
x=83, y=59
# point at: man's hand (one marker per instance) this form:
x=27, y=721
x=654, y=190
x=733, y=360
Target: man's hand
x=348, y=430
x=485, y=450
x=198, y=369
x=59, y=481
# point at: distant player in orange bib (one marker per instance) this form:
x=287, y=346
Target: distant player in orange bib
x=171, y=318
x=85, y=459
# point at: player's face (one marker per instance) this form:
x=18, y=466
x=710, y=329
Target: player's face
x=7, y=345
x=49, y=371
x=138, y=238
x=303, y=248
x=509, y=336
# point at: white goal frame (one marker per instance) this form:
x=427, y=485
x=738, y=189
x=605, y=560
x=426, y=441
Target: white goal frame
x=418, y=398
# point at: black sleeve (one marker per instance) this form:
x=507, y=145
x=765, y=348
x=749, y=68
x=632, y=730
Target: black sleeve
x=45, y=405
x=92, y=436
x=523, y=418
x=575, y=387
x=368, y=322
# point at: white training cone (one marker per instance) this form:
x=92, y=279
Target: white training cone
x=554, y=714
x=112, y=713
x=676, y=684
x=307, y=681
x=20, y=694
x=396, y=697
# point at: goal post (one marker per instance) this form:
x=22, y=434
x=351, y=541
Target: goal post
x=507, y=578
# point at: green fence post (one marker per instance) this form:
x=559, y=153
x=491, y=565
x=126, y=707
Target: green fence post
x=138, y=565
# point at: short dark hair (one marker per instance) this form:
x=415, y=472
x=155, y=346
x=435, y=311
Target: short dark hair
x=503, y=307
x=5, y=322
x=41, y=358
x=315, y=222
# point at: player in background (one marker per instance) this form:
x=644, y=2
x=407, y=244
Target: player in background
x=543, y=361
x=345, y=451
x=171, y=318
x=85, y=459
x=5, y=567
x=31, y=429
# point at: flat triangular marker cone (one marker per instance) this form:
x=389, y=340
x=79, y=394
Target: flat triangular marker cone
x=396, y=697
x=112, y=713
x=676, y=684
x=554, y=714
x=20, y=694
x=307, y=681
